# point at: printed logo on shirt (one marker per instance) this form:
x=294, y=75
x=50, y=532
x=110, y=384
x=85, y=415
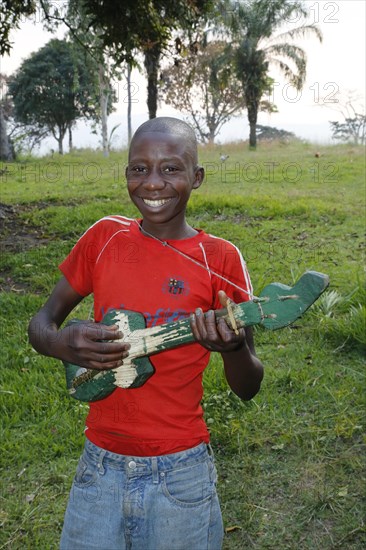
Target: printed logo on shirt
x=175, y=287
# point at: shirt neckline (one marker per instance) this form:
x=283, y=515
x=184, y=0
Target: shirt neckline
x=178, y=243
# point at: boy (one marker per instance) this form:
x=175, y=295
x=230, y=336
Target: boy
x=146, y=479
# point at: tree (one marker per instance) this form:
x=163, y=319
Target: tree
x=269, y=133
x=255, y=48
x=202, y=84
x=54, y=88
x=351, y=130
x=81, y=33
x=353, y=127
x=124, y=27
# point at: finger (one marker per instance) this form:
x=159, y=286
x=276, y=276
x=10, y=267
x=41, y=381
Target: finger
x=98, y=331
x=98, y=365
x=194, y=321
x=200, y=324
x=107, y=360
x=113, y=330
x=211, y=327
x=110, y=348
x=223, y=298
x=227, y=335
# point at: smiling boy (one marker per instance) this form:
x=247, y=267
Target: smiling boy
x=146, y=479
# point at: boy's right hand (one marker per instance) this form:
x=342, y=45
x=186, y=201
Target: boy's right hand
x=93, y=345
x=88, y=344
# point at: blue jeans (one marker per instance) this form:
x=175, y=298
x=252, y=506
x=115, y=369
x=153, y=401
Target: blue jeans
x=166, y=502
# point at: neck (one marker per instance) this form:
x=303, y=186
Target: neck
x=166, y=233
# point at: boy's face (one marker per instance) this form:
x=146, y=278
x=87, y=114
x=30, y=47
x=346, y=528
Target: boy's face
x=161, y=173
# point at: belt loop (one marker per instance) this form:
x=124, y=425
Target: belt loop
x=210, y=450
x=100, y=466
x=154, y=468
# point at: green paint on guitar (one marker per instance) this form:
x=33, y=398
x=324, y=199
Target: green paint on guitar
x=276, y=307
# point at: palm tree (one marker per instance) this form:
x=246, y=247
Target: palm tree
x=256, y=46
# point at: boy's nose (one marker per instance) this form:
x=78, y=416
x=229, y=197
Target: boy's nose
x=154, y=180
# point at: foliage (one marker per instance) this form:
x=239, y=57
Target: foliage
x=11, y=13
x=343, y=318
x=201, y=84
x=256, y=47
x=53, y=88
x=140, y=25
x=352, y=129
x=268, y=133
x=16, y=138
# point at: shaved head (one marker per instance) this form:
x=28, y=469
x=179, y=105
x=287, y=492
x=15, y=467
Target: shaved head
x=172, y=126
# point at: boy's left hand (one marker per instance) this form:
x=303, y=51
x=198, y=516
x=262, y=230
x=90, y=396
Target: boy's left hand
x=215, y=335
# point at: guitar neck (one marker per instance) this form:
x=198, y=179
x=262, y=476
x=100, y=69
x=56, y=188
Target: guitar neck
x=167, y=336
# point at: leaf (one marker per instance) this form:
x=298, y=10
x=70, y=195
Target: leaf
x=278, y=447
x=343, y=492
x=232, y=528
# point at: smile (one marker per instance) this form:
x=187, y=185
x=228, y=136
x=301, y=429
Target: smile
x=155, y=203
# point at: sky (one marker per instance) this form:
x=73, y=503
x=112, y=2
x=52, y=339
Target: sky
x=334, y=68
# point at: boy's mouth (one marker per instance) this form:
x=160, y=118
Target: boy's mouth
x=156, y=202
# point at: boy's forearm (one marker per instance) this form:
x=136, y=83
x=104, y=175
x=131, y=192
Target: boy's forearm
x=44, y=336
x=44, y=329
x=244, y=372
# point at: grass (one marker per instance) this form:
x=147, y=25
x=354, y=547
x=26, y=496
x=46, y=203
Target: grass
x=291, y=461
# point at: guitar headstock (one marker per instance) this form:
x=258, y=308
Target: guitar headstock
x=281, y=305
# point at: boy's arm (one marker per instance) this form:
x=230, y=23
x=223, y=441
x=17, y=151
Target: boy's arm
x=243, y=369
x=78, y=344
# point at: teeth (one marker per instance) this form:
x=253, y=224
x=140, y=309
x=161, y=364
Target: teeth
x=156, y=203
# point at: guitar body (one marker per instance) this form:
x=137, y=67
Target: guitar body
x=90, y=385
x=276, y=307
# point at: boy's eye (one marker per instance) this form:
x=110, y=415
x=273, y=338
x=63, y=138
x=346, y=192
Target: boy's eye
x=170, y=169
x=138, y=169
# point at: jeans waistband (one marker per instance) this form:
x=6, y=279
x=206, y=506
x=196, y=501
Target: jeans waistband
x=148, y=464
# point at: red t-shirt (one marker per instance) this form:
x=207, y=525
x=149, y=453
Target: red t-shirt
x=125, y=269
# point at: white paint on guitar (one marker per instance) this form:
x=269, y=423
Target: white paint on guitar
x=144, y=342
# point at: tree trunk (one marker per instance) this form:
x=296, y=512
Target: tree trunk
x=103, y=98
x=60, y=137
x=252, y=118
x=129, y=104
x=5, y=148
x=71, y=147
x=60, y=146
x=211, y=133
x=151, y=62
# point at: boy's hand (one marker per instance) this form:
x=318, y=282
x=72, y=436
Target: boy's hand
x=93, y=345
x=215, y=335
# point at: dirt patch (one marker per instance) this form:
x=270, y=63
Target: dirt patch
x=15, y=232
x=17, y=235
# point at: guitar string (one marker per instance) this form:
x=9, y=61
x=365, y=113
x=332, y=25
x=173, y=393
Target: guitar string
x=167, y=245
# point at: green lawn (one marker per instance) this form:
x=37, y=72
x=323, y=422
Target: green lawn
x=292, y=461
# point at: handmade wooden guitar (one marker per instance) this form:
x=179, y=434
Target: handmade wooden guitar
x=277, y=306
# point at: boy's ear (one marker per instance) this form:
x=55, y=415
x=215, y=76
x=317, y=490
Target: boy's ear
x=199, y=176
